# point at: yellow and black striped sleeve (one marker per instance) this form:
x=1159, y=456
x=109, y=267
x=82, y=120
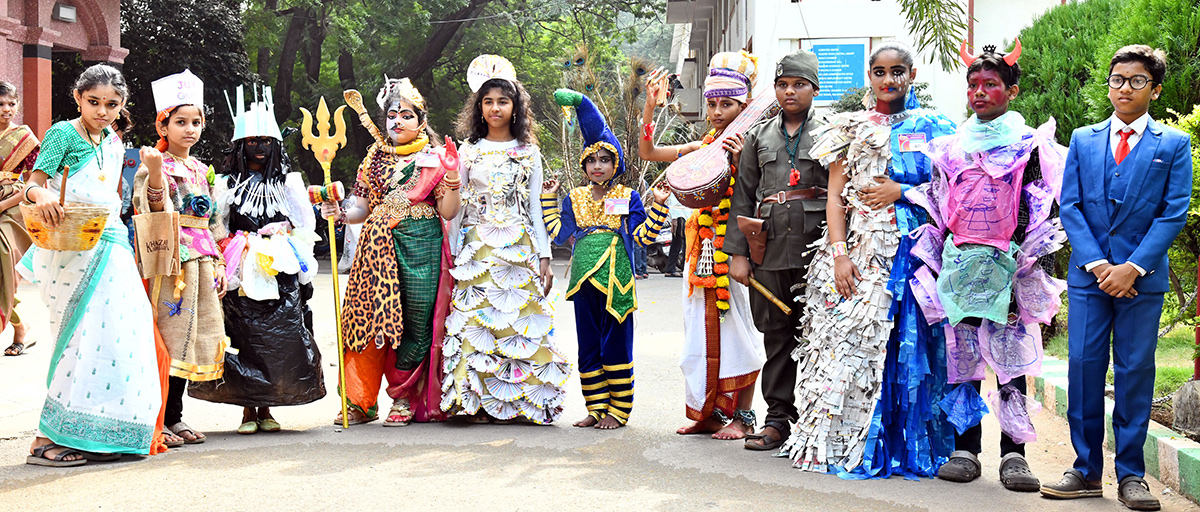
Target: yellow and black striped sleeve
x=656, y=219
x=551, y=215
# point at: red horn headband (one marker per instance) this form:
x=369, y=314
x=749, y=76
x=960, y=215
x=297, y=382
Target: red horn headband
x=966, y=56
x=1012, y=56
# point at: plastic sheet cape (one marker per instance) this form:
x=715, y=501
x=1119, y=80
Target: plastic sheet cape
x=1014, y=412
x=964, y=407
x=277, y=361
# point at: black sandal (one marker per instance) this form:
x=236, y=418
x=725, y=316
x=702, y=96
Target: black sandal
x=769, y=442
x=17, y=348
x=39, y=457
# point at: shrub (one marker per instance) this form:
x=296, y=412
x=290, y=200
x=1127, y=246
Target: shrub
x=1056, y=63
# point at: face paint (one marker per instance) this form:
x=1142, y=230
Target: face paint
x=403, y=124
x=987, y=94
x=890, y=80
x=258, y=149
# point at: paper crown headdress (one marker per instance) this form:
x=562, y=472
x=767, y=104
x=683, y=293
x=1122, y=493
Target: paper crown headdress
x=487, y=67
x=406, y=89
x=179, y=89
x=595, y=130
x=258, y=120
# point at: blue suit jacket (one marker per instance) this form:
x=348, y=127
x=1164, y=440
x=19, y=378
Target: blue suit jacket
x=1139, y=228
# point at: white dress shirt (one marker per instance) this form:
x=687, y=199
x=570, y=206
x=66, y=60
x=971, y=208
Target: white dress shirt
x=1114, y=131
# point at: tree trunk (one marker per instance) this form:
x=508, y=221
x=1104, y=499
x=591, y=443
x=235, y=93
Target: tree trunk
x=358, y=137
x=318, y=29
x=439, y=39
x=263, y=64
x=287, y=64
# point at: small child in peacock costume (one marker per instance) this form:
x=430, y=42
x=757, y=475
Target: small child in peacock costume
x=605, y=220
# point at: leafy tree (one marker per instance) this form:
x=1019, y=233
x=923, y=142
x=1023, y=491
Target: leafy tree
x=165, y=38
x=937, y=24
x=1056, y=63
x=308, y=49
x=1173, y=26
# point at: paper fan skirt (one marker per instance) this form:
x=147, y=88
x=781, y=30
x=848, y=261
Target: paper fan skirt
x=469, y=270
x=553, y=373
x=447, y=385
x=508, y=299
x=475, y=382
x=541, y=416
x=485, y=363
x=451, y=346
x=456, y=321
x=499, y=236
x=496, y=319
x=534, y=413
x=533, y=326
x=467, y=253
x=481, y=338
x=507, y=391
x=500, y=409
x=514, y=370
x=516, y=253
x=469, y=297
x=507, y=275
x=449, y=364
x=470, y=402
x=518, y=346
x=448, y=399
x=544, y=395
x=546, y=302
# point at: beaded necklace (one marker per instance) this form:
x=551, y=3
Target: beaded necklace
x=794, y=175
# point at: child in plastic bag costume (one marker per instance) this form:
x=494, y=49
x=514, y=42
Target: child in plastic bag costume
x=274, y=359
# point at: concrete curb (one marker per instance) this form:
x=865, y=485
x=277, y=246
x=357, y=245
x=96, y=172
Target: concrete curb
x=1170, y=457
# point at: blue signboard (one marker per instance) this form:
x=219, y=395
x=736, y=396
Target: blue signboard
x=842, y=66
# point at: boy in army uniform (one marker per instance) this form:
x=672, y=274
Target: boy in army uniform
x=780, y=185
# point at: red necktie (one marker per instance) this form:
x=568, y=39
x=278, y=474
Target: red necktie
x=1123, y=146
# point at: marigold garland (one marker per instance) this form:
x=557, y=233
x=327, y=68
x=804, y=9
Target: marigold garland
x=712, y=222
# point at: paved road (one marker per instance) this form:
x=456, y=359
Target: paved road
x=315, y=466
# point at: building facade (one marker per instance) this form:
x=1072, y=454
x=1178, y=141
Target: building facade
x=842, y=32
x=42, y=39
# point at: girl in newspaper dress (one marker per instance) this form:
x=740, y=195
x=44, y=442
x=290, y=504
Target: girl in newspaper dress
x=871, y=368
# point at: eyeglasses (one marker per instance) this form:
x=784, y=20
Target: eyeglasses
x=1137, y=82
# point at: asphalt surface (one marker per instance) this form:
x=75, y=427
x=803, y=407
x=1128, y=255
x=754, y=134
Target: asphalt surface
x=313, y=465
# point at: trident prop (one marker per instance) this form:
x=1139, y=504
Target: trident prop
x=324, y=146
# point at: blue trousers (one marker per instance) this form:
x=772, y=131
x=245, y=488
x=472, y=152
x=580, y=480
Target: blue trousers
x=1099, y=324
x=605, y=356
x=639, y=259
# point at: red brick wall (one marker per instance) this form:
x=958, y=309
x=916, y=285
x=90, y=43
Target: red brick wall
x=27, y=31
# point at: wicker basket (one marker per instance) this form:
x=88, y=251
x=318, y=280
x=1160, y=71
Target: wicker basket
x=79, y=230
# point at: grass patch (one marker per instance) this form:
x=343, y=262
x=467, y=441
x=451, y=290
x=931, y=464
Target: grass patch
x=1172, y=358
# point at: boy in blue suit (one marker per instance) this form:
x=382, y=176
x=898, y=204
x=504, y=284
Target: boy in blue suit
x=1126, y=189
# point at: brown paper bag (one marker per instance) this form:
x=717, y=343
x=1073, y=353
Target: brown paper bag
x=156, y=236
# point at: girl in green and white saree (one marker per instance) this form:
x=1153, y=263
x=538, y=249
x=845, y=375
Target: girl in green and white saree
x=105, y=396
